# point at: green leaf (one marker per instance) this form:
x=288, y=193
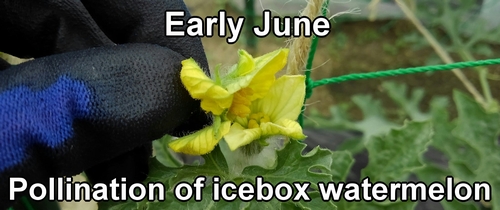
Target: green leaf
x=318, y=165
x=484, y=49
x=398, y=92
x=432, y=173
x=339, y=117
x=159, y=172
x=374, y=121
x=164, y=154
x=215, y=165
x=454, y=148
x=393, y=156
x=206, y=203
x=480, y=131
x=484, y=132
x=453, y=205
x=462, y=158
x=292, y=166
x=112, y=205
x=342, y=162
x=379, y=206
x=315, y=203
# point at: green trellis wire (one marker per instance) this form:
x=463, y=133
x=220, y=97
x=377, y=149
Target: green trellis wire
x=310, y=59
x=401, y=71
x=310, y=84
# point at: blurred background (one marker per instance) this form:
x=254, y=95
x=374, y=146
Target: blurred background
x=367, y=41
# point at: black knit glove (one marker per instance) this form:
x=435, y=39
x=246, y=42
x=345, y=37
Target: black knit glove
x=104, y=84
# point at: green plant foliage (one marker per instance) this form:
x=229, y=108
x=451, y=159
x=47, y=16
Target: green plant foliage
x=163, y=154
x=318, y=165
x=469, y=142
x=457, y=18
x=393, y=156
x=367, y=36
x=374, y=120
x=479, y=131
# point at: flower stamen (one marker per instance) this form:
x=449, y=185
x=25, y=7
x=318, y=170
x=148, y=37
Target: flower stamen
x=241, y=103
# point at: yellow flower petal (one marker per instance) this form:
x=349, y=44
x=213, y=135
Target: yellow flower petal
x=214, y=98
x=210, y=105
x=284, y=100
x=267, y=66
x=241, y=103
x=194, y=79
x=284, y=127
x=201, y=142
x=243, y=121
x=239, y=110
x=273, y=60
x=245, y=64
x=262, y=76
x=239, y=136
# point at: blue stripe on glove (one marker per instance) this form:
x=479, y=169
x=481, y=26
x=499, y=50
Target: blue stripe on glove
x=40, y=117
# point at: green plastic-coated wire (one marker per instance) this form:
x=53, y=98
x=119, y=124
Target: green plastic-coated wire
x=402, y=71
x=312, y=52
x=310, y=59
x=387, y=73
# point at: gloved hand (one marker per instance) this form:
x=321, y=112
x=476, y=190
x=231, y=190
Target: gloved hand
x=104, y=83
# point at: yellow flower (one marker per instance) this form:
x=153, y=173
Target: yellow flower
x=201, y=142
x=246, y=81
x=251, y=85
x=274, y=114
x=214, y=98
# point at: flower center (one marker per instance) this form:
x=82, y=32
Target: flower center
x=256, y=119
x=241, y=103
